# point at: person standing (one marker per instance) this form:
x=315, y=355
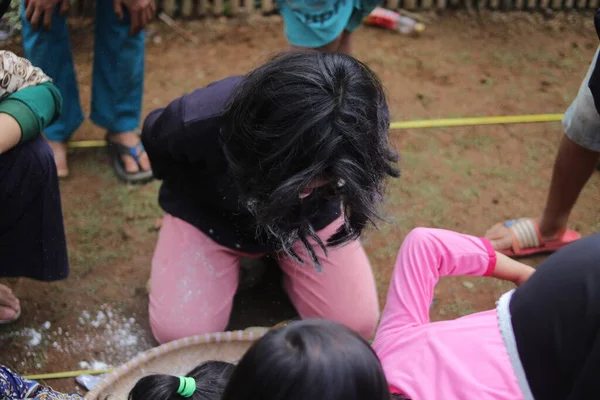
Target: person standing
x=323, y=25
x=117, y=83
x=576, y=160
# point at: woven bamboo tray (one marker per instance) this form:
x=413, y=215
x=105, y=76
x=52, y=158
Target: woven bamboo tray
x=175, y=358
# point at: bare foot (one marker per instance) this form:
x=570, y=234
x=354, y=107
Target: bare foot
x=131, y=139
x=60, y=157
x=9, y=304
x=502, y=239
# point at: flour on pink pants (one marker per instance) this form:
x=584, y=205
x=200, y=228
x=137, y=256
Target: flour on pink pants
x=194, y=280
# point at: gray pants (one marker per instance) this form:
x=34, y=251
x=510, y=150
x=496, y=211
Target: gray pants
x=582, y=121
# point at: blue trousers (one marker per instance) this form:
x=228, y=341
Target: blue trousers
x=118, y=77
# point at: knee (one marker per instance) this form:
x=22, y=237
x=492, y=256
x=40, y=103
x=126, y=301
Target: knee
x=419, y=236
x=172, y=324
x=364, y=322
x=361, y=316
x=40, y=150
x=33, y=159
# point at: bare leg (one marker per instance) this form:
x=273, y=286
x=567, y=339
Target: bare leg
x=60, y=157
x=9, y=304
x=328, y=48
x=346, y=43
x=131, y=139
x=572, y=168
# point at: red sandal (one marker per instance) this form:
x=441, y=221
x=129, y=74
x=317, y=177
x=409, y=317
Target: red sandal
x=527, y=240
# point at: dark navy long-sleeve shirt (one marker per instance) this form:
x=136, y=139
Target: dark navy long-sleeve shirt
x=182, y=141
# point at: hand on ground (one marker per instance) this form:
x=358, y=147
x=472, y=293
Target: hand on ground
x=141, y=11
x=9, y=304
x=41, y=11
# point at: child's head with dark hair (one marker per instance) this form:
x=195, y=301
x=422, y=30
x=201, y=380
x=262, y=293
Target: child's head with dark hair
x=210, y=379
x=305, y=128
x=309, y=360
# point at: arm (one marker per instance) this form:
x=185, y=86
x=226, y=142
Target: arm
x=186, y=131
x=12, y=384
x=10, y=132
x=510, y=270
x=40, y=12
x=24, y=114
x=425, y=256
x=162, y=134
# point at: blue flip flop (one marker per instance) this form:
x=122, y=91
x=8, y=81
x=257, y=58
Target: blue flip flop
x=116, y=150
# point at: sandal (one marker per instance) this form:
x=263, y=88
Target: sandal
x=117, y=150
x=528, y=241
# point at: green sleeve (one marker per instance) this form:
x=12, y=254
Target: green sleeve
x=34, y=108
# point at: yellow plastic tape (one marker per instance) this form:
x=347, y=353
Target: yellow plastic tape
x=66, y=374
x=450, y=122
x=418, y=124
x=87, y=144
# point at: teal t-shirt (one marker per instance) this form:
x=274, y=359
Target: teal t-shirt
x=34, y=108
x=316, y=23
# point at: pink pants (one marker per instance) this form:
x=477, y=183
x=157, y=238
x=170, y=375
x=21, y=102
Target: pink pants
x=194, y=280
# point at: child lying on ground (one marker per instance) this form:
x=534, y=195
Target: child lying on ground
x=541, y=342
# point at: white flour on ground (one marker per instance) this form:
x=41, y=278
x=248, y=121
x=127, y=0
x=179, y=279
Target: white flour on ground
x=101, y=338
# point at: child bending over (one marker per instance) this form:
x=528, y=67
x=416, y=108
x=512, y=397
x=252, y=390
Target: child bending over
x=290, y=160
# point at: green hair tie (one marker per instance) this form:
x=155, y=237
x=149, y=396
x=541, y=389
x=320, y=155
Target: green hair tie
x=187, y=386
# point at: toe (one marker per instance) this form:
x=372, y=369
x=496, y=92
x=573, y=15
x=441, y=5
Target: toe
x=145, y=162
x=131, y=167
x=7, y=313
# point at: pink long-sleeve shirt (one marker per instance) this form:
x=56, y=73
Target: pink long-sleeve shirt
x=462, y=359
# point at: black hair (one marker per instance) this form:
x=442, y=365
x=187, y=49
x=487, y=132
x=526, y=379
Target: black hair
x=302, y=117
x=211, y=378
x=309, y=360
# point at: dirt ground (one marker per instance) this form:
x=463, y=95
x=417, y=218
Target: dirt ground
x=464, y=179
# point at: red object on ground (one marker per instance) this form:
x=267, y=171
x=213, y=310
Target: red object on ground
x=384, y=18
